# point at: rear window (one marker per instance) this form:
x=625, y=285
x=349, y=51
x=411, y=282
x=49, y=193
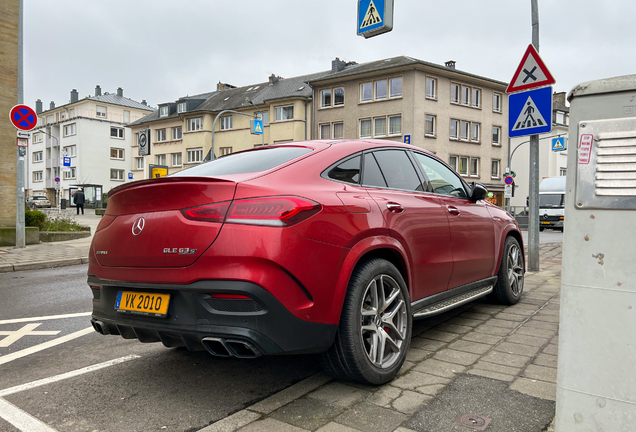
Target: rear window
x=247, y=162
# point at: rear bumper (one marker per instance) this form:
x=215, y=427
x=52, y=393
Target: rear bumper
x=194, y=315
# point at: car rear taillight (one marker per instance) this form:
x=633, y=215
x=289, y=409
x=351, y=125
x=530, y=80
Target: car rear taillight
x=272, y=211
x=104, y=222
x=269, y=211
x=208, y=213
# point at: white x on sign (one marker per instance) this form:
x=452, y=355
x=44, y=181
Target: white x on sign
x=27, y=330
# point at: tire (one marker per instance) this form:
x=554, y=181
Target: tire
x=540, y=228
x=509, y=287
x=374, y=333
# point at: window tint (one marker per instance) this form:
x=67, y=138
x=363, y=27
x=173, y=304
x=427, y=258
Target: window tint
x=372, y=174
x=247, y=162
x=442, y=179
x=398, y=170
x=348, y=171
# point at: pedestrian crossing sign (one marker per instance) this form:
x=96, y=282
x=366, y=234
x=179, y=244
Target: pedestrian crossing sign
x=374, y=17
x=558, y=144
x=256, y=127
x=530, y=112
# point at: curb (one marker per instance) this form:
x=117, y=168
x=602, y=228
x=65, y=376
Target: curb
x=39, y=265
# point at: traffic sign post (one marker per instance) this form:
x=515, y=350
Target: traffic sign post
x=23, y=117
x=407, y=139
x=530, y=112
x=256, y=127
x=374, y=17
x=531, y=73
x=559, y=144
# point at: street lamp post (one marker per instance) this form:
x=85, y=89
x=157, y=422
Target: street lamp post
x=211, y=153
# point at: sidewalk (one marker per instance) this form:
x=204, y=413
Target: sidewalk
x=49, y=255
x=484, y=366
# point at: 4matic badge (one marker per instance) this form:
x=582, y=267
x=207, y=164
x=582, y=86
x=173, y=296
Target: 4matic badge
x=180, y=251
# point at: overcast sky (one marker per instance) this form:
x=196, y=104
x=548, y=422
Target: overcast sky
x=160, y=50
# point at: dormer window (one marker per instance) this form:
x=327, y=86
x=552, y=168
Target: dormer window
x=181, y=108
x=163, y=111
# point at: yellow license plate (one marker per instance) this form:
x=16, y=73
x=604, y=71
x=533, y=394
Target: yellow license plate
x=545, y=223
x=150, y=304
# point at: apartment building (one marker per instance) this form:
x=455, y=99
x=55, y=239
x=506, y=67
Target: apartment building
x=551, y=163
x=93, y=132
x=181, y=131
x=461, y=117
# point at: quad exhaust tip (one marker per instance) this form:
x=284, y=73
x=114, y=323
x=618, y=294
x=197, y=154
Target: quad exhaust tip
x=221, y=347
x=100, y=327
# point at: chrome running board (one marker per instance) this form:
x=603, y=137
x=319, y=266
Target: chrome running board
x=453, y=302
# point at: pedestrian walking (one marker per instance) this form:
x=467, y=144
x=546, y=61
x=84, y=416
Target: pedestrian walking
x=78, y=200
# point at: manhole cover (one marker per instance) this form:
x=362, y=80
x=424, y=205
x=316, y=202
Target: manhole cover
x=473, y=421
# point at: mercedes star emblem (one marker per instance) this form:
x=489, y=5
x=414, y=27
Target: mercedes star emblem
x=138, y=226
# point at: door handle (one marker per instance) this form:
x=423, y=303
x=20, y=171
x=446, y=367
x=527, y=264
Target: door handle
x=394, y=207
x=453, y=210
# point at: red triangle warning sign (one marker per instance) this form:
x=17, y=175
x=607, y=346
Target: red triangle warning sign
x=531, y=73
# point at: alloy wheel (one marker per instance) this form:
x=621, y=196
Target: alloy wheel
x=515, y=270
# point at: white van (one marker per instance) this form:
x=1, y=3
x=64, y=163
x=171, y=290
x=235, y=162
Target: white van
x=552, y=203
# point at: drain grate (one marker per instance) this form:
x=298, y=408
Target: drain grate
x=473, y=421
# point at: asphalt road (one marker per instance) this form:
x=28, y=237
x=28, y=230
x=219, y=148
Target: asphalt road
x=545, y=236
x=149, y=387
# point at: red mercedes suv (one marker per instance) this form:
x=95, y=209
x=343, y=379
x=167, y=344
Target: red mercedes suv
x=308, y=247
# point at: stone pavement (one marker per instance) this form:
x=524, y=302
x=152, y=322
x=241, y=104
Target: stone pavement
x=496, y=364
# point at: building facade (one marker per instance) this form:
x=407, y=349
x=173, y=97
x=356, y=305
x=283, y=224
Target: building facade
x=551, y=163
x=93, y=132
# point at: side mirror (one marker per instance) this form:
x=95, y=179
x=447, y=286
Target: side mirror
x=478, y=192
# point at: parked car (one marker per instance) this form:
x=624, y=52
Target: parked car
x=308, y=247
x=38, y=202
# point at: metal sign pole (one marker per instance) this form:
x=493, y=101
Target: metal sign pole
x=20, y=239
x=533, y=216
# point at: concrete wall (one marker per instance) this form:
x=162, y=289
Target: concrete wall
x=9, y=24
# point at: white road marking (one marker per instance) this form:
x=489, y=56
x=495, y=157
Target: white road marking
x=27, y=330
x=25, y=352
x=66, y=375
x=21, y=420
x=44, y=318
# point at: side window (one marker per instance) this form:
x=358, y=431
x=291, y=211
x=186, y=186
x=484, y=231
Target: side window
x=372, y=174
x=348, y=171
x=443, y=180
x=398, y=170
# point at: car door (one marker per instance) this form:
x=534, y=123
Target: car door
x=472, y=229
x=414, y=217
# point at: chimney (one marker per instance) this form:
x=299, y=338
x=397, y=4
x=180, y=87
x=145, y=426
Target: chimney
x=74, y=96
x=120, y=91
x=273, y=79
x=38, y=106
x=337, y=65
x=98, y=91
x=450, y=64
x=559, y=97
x=52, y=105
x=143, y=102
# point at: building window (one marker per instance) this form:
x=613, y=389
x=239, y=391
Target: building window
x=464, y=130
x=452, y=161
x=164, y=111
x=496, y=135
x=474, y=167
x=429, y=128
x=176, y=133
x=325, y=131
x=379, y=126
x=395, y=87
x=100, y=111
x=455, y=92
x=160, y=159
x=175, y=159
x=431, y=88
x=38, y=156
x=116, y=132
x=117, y=174
x=69, y=130
x=476, y=97
x=463, y=165
x=365, y=128
x=126, y=116
x=495, y=168
x=37, y=138
x=475, y=132
x=225, y=151
x=70, y=174
x=325, y=98
x=496, y=102
x=563, y=171
x=560, y=117
x=37, y=176
x=139, y=163
x=395, y=125
x=338, y=96
x=380, y=89
x=338, y=130
x=366, y=92
x=263, y=116
x=454, y=129
x=70, y=151
x=465, y=95
x=284, y=113
x=332, y=97
x=195, y=155
x=117, y=153
x=181, y=108
x=226, y=122
x=195, y=124
x=161, y=135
